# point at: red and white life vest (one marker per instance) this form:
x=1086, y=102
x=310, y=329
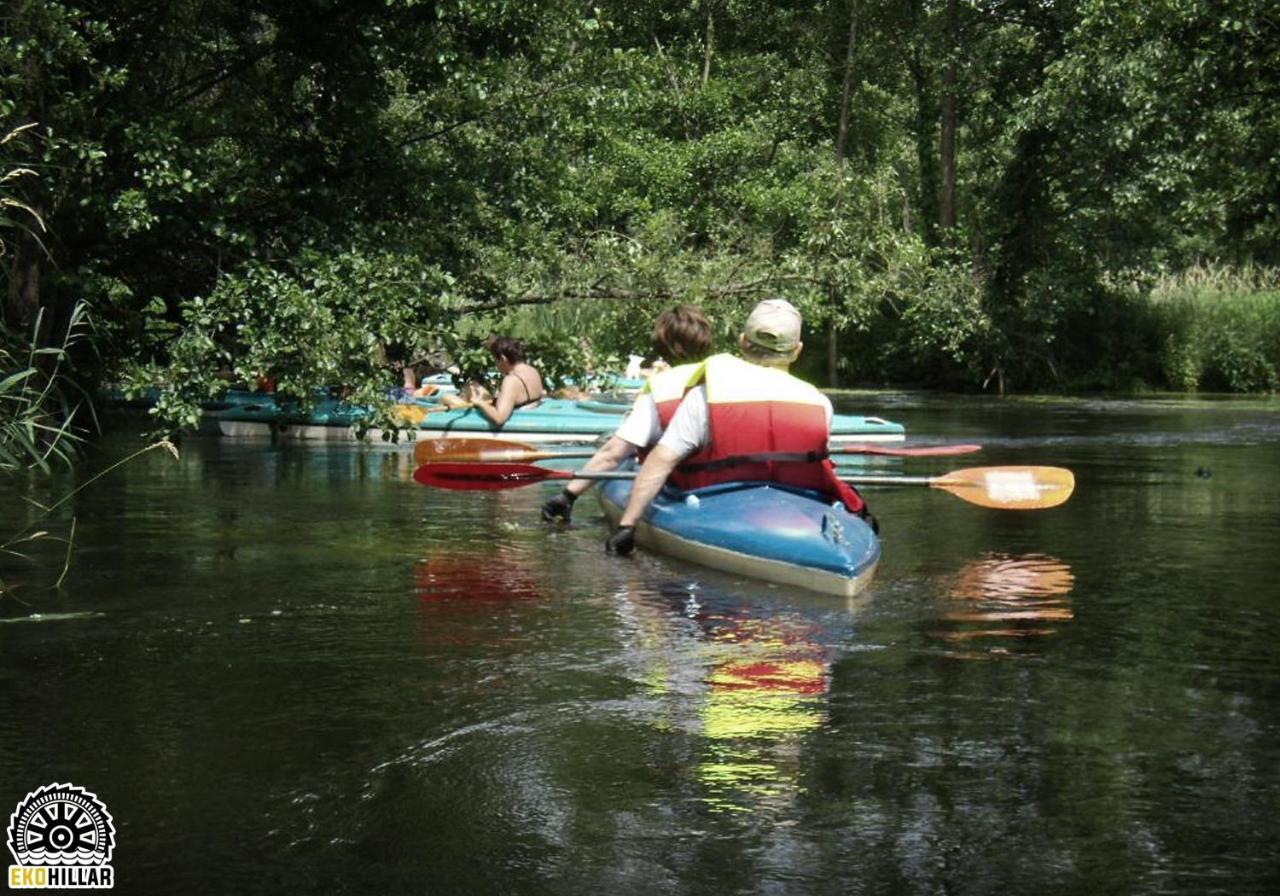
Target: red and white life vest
x=764, y=425
x=669, y=386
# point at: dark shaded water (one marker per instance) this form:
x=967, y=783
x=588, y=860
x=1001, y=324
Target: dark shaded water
x=288, y=669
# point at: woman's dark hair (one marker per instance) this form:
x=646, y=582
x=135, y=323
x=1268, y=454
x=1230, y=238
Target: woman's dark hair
x=507, y=348
x=682, y=334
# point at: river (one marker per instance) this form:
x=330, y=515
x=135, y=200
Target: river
x=291, y=669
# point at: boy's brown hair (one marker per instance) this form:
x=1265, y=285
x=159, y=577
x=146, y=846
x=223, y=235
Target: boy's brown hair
x=682, y=334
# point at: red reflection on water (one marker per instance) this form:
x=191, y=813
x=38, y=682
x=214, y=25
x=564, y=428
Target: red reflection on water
x=773, y=654
x=488, y=577
x=468, y=599
x=1008, y=597
x=789, y=676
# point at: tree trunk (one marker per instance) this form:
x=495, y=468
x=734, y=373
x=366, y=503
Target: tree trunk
x=842, y=144
x=947, y=202
x=22, y=303
x=926, y=125
x=926, y=157
x=708, y=49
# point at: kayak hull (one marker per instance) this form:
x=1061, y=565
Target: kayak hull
x=760, y=530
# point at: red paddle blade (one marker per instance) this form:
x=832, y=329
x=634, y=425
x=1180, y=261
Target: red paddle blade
x=466, y=477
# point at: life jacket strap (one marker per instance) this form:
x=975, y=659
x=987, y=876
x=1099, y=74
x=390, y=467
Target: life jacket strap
x=738, y=460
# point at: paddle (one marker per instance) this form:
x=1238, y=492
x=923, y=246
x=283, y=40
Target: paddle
x=433, y=451
x=413, y=414
x=1003, y=488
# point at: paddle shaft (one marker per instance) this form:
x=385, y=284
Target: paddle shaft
x=1001, y=488
x=503, y=451
x=459, y=474
x=856, y=480
x=932, y=481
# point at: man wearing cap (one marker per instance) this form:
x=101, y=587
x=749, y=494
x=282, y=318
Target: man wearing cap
x=747, y=420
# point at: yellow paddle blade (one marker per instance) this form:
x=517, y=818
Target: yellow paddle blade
x=1009, y=488
x=411, y=414
x=414, y=414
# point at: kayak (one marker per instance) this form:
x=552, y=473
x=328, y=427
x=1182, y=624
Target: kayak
x=766, y=531
x=552, y=420
x=560, y=420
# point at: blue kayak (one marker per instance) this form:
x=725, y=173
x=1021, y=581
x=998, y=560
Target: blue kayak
x=762, y=530
x=560, y=420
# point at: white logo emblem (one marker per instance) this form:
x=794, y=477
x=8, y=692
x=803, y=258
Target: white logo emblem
x=61, y=836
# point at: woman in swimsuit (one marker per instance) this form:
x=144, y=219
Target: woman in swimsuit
x=521, y=383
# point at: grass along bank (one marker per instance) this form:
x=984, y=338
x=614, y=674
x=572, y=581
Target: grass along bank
x=1220, y=329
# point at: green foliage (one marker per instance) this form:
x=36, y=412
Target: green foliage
x=1222, y=329
x=318, y=192
x=349, y=320
x=39, y=399
x=1164, y=113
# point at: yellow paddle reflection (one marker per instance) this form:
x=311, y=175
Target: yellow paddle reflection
x=750, y=682
x=756, y=713
x=999, y=599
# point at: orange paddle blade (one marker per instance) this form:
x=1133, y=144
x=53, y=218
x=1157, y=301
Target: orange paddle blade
x=432, y=451
x=1009, y=488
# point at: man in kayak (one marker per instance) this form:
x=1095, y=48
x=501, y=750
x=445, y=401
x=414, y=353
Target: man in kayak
x=682, y=336
x=746, y=419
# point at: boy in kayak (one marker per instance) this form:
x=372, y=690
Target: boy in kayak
x=744, y=419
x=682, y=336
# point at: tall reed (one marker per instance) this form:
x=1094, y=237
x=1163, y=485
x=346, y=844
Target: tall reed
x=40, y=401
x=1221, y=328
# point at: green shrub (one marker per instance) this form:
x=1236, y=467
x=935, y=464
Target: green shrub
x=1221, y=329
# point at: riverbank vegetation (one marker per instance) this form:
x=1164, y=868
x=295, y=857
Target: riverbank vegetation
x=1003, y=195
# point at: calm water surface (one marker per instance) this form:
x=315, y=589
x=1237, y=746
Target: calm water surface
x=289, y=669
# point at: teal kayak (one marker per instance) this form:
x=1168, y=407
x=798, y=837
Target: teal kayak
x=552, y=420
x=562, y=420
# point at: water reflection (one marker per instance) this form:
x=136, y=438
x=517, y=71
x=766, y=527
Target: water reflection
x=469, y=598
x=1006, y=598
x=500, y=575
x=748, y=681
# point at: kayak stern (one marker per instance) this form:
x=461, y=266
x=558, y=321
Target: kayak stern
x=760, y=530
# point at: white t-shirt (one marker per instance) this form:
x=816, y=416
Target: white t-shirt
x=641, y=426
x=688, y=429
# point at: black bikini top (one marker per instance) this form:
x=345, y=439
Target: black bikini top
x=528, y=396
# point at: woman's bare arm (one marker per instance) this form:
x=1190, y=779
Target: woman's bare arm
x=498, y=412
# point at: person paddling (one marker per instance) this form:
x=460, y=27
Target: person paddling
x=746, y=419
x=682, y=337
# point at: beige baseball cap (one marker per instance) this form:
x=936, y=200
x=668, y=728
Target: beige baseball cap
x=773, y=325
